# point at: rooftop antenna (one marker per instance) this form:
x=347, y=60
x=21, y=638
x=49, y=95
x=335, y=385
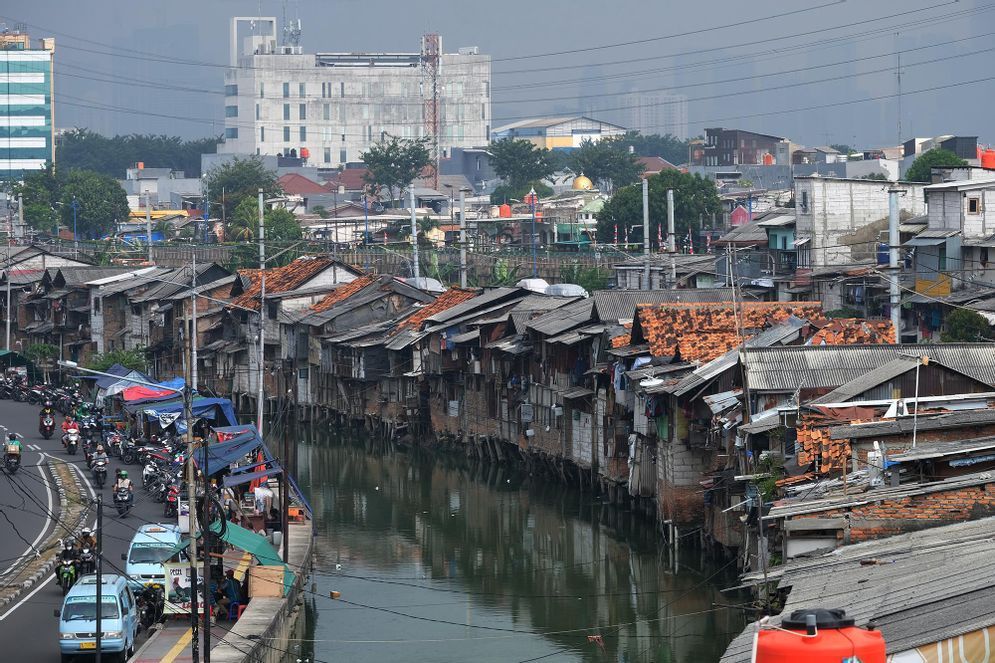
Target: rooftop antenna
x=292, y=29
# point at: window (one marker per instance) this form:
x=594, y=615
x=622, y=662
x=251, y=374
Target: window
x=328, y=155
x=342, y=156
x=326, y=112
x=302, y=111
x=231, y=111
x=303, y=134
x=984, y=257
x=257, y=111
x=326, y=134
x=302, y=90
x=483, y=111
x=261, y=90
x=286, y=111
x=231, y=132
x=342, y=89
x=262, y=134
x=974, y=205
x=803, y=204
x=487, y=89
x=231, y=90
x=286, y=90
x=943, y=258
x=286, y=134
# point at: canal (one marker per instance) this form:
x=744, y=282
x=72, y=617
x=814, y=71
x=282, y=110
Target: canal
x=438, y=560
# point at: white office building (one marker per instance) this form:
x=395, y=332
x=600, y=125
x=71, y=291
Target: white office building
x=331, y=107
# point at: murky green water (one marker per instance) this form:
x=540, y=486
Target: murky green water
x=438, y=562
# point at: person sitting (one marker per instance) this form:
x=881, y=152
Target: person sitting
x=123, y=482
x=230, y=592
x=99, y=454
x=87, y=540
x=12, y=441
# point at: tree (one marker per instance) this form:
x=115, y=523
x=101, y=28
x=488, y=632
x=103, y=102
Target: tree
x=321, y=211
x=131, y=359
x=921, y=168
x=100, y=203
x=694, y=197
x=507, y=193
x=280, y=225
x=842, y=148
x=607, y=161
x=238, y=179
x=81, y=149
x=875, y=176
x=40, y=192
x=519, y=162
x=394, y=163
x=589, y=278
x=966, y=326
x=42, y=354
x=668, y=147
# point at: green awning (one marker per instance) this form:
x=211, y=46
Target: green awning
x=252, y=543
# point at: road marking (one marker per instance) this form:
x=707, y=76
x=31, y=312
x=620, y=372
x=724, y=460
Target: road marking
x=37, y=589
x=48, y=519
x=34, y=447
x=178, y=648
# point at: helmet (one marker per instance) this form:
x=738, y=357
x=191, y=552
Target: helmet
x=12, y=437
x=67, y=544
x=85, y=531
x=48, y=403
x=124, y=474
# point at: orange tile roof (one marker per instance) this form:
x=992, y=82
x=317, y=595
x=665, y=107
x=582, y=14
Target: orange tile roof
x=702, y=331
x=853, y=331
x=280, y=279
x=443, y=302
x=345, y=291
x=622, y=340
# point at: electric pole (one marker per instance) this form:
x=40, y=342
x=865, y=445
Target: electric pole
x=100, y=573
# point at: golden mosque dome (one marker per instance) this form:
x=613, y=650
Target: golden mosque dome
x=582, y=183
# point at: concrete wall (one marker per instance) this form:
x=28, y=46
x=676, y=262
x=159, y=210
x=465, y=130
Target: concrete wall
x=347, y=108
x=831, y=209
x=951, y=210
x=860, y=169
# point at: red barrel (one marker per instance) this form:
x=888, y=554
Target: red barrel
x=819, y=636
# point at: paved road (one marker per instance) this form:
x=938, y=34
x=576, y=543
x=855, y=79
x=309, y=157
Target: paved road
x=28, y=629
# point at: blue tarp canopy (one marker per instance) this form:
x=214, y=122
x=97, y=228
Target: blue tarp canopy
x=242, y=428
x=104, y=381
x=219, y=410
x=222, y=454
x=140, y=393
x=246, y=477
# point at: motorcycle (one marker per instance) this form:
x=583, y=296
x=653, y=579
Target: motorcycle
x=66, y=575
x=129, y=452
x=72, y=441
x=87, y=561
x=122, y=500
x=151, y=603
x=100, y=473
x=12, y=458
x=171, y=508
x=47, y=426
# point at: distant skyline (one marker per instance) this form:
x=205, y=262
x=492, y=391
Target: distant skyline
x=158, y=67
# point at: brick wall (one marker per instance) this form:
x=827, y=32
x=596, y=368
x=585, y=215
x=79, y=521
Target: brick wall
x=679, y=473
x=890, y=517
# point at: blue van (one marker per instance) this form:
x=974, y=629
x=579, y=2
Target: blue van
x=78, y=619
x=149, y=548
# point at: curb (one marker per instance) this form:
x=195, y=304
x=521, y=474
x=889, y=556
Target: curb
x=48, y=567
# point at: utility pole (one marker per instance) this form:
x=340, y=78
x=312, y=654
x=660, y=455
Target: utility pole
x=7, y=309
x=414, y=234
x=100, y=572
x=148, y=222
x=893, y=240
x=671, y=238
x=534, y=202
x=462, y=241
x=192, y=511
x=646, y=235
x=75, y=205
x=262, y=316
x=20, y=217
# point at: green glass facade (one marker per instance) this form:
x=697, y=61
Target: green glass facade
x=25, y=111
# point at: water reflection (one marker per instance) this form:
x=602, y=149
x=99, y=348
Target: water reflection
x=438, y=562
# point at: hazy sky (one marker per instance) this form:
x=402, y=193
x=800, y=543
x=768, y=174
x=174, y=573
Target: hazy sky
x=119, y=68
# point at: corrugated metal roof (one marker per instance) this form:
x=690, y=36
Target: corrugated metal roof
x=615, y=305
x=869, y=380
x=562, y=319
x=962, y=419
x=785, y=369
x=944, y=449
x=936, y=584
x=480, y=301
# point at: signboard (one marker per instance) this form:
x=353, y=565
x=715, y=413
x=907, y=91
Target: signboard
x=178, y=590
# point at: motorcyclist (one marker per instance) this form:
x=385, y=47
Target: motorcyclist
x=47, y=410
x=99, y=454
x=68, y=553
x=13, y=441
x=83, y=410
x=68, y=423
x=123, y=482
x=87, y=540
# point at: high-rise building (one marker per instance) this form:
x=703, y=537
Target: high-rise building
x=331, y=107
x=27, y=137
x=655, y=113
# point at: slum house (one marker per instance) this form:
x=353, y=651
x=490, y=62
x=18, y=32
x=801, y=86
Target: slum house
x=58, y=311
x=341, y=338
x=694, y=333
x=929, y=593
x=693, y=271
x=211, y=300
x=241, y=364
x=114, y=326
